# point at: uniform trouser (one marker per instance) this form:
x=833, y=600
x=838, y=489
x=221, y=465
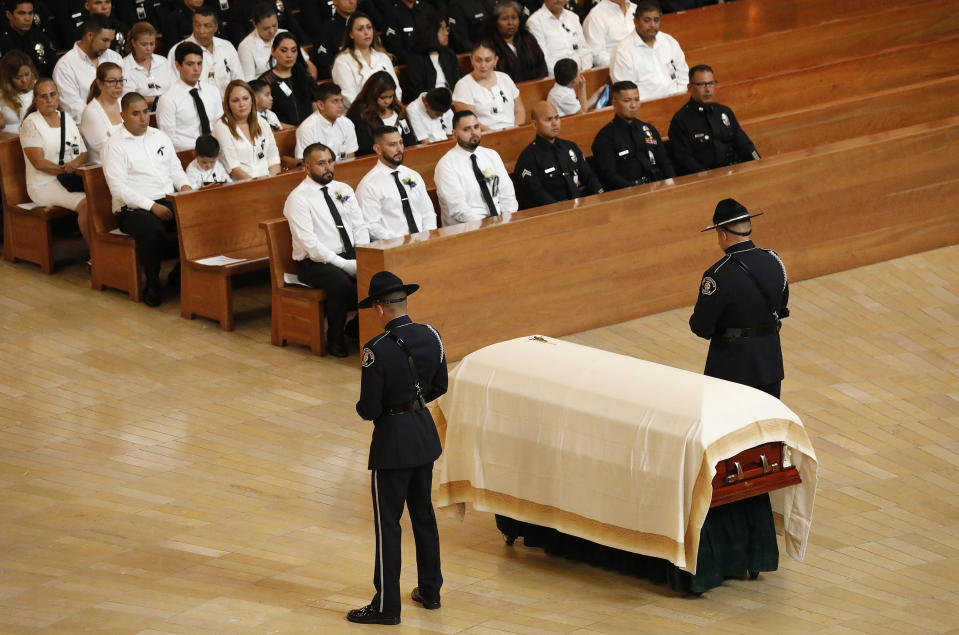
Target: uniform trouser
x=150, y=234
x=391, y=488
x=340, y=290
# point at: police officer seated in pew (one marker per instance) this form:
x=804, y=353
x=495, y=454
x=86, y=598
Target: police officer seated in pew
x=551, y=169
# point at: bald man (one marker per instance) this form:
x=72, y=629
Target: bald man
x=551, y=169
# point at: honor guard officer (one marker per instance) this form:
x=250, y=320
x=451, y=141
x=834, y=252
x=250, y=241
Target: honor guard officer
x=742, y=300
x=704, y=134
x=403, y=369
x=23, y=32
x=551, y=169
x=628, y=151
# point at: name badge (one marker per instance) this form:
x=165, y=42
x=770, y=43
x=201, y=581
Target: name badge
x=624, y=153
x=225, y=5
x=407, y=29
x=548, y=170
x=141, y=12
x=286, y=89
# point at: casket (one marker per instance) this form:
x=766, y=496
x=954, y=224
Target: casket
x=616, y=450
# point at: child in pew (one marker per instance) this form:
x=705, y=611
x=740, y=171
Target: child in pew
x=264, y=102
x=206, y=168
x=568, y=94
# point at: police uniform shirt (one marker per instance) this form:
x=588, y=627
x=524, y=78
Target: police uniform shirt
x=149, y=83
x=177, y=115
x=605, y=27
x=315, y=235
x=329, y=38
x=409, y=439
x=35, y=43
x=69, y=28
x=659, y=70
x=728, y=298
x=379, y=198
x=630, y=153
x=339, y=135
x=458, y=191
x=398, y=28
x=235, y=16
x=178, y=23
x=467, y=21
x=141, y=169
x=548, y=171
x=707, y=136
x=74, y=73
x=133, y=11
x=220, y=66
x=560, y=38
x=428, y=128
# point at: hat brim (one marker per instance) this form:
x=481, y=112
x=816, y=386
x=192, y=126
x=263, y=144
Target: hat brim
x=733, y=220
x=368, y=301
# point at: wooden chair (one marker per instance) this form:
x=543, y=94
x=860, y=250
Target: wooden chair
x=298, y=314
x=27, y=231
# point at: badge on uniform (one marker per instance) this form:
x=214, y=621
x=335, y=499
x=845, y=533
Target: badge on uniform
x=725, y=118
x=647, y=131
x=525, y=173
x=709, y=286
x=572, y=156
x=367, y=358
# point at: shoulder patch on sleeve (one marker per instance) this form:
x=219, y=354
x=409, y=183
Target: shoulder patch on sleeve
x=438, y=339
x=368, y=357
x=709, y=286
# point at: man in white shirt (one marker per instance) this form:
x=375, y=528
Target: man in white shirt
x=472, y=182
x=607, y=24
x=141, y=169
x=558, y=32
x=327, y=125
x=221, y=64
x=392, y=196
x=431, y=115
x=652, y=60
x=191, y=106
x=77, y=69
x=326, y=224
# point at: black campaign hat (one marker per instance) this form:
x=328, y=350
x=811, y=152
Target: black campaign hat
x=729, y=210
x=382, y=284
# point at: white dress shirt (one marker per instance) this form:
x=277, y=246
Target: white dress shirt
x=659, y=70
x=220, y=67
x=35, y=132
x=459, y=192
x=492, y=106
x=605, y=27
x=96, y=128
x=73, y=75
x=255, y=54
x=315, y=235
x=350, y=75
x=271, y=119
x=254, y=158
x=149, y=83
x=564, y=100
x=382, y=206
x=177, y=116
x=141, y=169
x=425, y=127
x=560, y=38
x=339, y=136
x=198, y=177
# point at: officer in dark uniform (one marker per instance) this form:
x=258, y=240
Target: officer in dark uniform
x=467, y=21
x=237, y=22
x=178, y=22
x=742, y=300
x=399, y=27
x=23, y=33
x=133, y=11
x=403, y=369
x=72, y=14
x=551, y=169
x=628, y=151
x=703, y=134
x=330, y=37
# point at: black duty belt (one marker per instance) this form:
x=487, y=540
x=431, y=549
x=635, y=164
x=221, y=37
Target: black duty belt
x=410, y=406
x=756, y=331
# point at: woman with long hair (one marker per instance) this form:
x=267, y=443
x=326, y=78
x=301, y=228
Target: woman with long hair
x=101, y=117
x=361, y=55
x=377, y=105
x=291, y=85
x=431, y=63
x=146, y=72
x=247, y=147
x=40, y=139
x=17, y=77
x=519, y=54
x=489, y=93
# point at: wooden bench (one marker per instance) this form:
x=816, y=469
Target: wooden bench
x=298, y=312
x=27, y=230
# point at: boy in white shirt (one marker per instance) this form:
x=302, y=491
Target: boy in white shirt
x=568, y=94
x=264, y=102
x=327, y=125
x=206, y=168
x=431, y=115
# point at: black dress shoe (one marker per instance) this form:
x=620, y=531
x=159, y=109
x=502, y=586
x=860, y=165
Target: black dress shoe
x=336, y=349
x=173, y=278
x=369, y=615
x=427, y=604
x=152, y=295
x=352, y=329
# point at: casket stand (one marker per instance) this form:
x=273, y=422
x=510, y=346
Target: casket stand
x=590, y=453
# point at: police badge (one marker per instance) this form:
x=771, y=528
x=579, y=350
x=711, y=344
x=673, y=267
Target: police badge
x=725, y=118
x=709, y=286
x=647, y=131
x=572, y=156
x=368, y=357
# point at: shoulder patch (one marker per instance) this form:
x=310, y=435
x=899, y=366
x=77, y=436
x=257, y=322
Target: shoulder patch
x=709, y=286
x=368, y=358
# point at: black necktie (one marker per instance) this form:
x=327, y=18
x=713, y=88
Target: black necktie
x=348, y=250
x=407, y=210
x=571, y=188
x=200, y=110
x=484, y=189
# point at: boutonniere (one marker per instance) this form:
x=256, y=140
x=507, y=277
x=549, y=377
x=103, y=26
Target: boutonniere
x=342, y=196
x=410, y=182
x=488, y=173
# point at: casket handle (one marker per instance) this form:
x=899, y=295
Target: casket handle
x=738, y=476
x=766, y=467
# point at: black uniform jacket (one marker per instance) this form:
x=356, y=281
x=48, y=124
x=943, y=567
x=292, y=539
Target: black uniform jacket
x=543, y=168
x=707, y=136
x=133, y=11
x=420, y=74
x=408, y=439
x=237, y=23
x=327, y=44
x=728, y=298
x=630, y=153
x=467, y=22
x=35, y=43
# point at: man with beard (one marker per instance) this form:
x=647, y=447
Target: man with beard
x=392, y=196
x=71, y=14
x=326, y=224
x=77, y=69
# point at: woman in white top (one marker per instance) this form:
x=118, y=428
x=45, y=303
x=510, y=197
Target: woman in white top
x=146, y=72
x=490, y=94
x=247, y=147
x=101, y=117
x=17, y=77
x=361, y=55
x=40, y=138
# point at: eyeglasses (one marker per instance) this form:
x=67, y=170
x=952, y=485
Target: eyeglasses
x=704, y=84
x=115, y=82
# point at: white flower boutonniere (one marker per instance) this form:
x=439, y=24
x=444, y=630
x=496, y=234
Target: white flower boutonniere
x=488, y=173
x=342, y=196
x=410, y=182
